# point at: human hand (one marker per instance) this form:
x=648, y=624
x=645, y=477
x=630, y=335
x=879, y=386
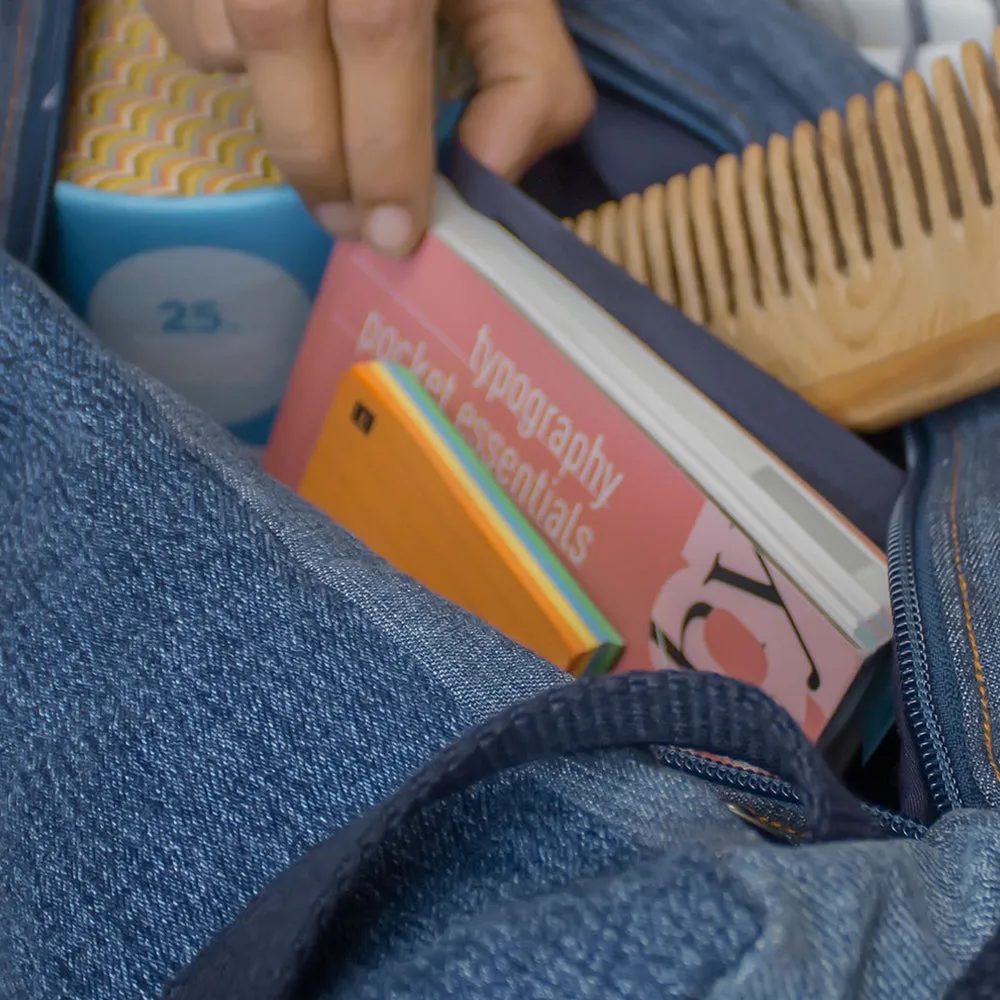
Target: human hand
x=344, y=91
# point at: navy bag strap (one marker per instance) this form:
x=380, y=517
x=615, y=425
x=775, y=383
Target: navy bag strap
x=982, y=979
x=274, y=949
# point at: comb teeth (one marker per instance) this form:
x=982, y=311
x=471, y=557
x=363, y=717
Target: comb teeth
x=802, y=254
x=874, y=178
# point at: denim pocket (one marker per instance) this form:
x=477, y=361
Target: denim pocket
x=944, y=556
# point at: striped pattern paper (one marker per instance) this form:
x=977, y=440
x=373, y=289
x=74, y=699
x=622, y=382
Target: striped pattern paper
x=141, y=121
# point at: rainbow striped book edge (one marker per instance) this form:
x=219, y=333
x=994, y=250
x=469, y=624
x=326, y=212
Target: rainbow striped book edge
x=579, y=611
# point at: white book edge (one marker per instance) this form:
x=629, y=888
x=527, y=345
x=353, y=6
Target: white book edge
x=849, y=585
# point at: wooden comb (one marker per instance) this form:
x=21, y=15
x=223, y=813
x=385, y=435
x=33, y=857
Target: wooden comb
x=857, y=262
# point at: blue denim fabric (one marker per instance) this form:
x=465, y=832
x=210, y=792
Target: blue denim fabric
x=949, y=541
x=732, y=71
x=201, y=677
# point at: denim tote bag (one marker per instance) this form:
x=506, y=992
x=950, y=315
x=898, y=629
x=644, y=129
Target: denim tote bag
x=242, y=757
x=299, y=936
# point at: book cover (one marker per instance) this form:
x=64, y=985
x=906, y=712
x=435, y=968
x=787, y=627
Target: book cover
x=683, y=585
x=390, y=468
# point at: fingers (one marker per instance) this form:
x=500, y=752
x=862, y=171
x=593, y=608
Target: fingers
x=344, y=91
x=534, y=94
x=289, y=56
x=385, y=53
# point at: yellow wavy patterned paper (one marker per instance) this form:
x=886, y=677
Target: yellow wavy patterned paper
x=141, y=122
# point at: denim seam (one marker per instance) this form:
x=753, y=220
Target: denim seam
x=15, y=89
x=970, y=629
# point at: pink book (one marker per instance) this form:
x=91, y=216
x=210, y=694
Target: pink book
x=684, y=586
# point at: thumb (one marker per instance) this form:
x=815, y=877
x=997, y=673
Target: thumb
x=534, y=94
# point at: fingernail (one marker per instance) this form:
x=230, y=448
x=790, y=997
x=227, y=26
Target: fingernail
x=340, y=218
x=389, y=228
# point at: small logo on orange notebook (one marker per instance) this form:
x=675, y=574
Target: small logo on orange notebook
x=362, y=418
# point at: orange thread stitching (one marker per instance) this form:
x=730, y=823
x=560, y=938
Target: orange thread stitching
x=970, y=630
x=770, y=823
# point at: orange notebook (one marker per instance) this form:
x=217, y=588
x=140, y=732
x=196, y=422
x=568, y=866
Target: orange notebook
x=391, y=469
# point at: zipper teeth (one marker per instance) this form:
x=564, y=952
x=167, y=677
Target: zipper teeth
x=733, y=777
x=911, y=651
x=911, y=661
x=773, y=788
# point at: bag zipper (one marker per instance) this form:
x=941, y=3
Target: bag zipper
x=765, y=787
x=910, y=645
x=911, y=662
